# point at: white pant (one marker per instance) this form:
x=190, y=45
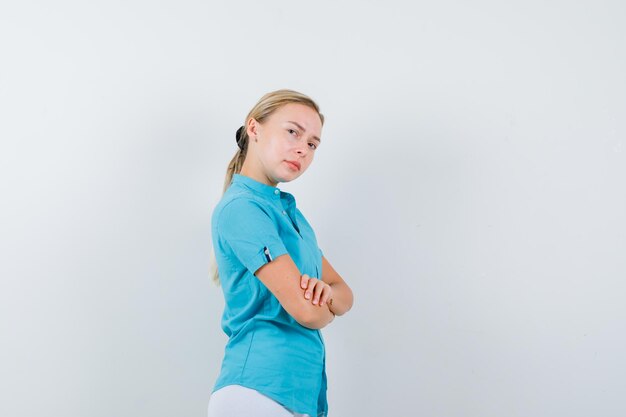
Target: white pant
x=240, y=401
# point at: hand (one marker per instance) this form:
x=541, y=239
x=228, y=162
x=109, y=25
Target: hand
x=316, y=290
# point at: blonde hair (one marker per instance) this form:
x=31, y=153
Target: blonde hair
x=262, y=110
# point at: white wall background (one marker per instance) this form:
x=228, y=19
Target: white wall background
x=471, y=188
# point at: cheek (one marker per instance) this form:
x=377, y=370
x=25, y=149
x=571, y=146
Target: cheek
x=278, y=144
x=278, y=154
x=274, y=150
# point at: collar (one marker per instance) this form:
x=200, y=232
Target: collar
x=261, y=188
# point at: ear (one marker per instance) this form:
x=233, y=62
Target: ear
x=252, y=128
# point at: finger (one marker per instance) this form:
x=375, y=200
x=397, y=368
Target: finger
x=304, y=281
x=318, y=291
x=326, y=295
x=309, y=290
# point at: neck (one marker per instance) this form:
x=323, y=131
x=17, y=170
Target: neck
x=257, y=175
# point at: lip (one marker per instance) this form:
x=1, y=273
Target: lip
x=295, y=164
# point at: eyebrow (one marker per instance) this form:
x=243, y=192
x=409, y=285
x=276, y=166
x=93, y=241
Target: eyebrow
x=304, y=130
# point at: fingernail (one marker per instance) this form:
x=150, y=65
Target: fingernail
x=307, y=295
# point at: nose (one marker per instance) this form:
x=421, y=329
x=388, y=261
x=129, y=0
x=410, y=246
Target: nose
x=302, y=149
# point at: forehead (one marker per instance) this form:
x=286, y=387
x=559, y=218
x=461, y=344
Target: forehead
x=301, y=114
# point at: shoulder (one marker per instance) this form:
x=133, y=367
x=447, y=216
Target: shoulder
x=237, y=199
x=244, y=212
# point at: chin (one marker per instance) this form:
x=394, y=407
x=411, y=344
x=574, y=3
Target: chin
x=289, y=177
x=285, y=179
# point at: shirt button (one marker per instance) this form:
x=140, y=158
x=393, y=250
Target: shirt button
x=276, y=191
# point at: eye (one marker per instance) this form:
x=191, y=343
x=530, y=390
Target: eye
x=292, y=131
x=314, y=145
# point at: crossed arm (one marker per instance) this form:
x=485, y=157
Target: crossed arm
x=327, y=297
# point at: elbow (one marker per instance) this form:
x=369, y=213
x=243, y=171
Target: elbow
x=311, y=325
x=309, y=320
x=312, y=317
x=348, y=302
x=348, y=308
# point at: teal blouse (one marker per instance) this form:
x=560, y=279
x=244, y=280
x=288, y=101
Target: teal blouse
x=267, y=349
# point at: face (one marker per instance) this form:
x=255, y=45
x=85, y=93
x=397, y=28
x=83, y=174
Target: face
x=285, y=144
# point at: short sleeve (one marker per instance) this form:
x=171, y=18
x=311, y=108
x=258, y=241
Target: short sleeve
x=251, y=233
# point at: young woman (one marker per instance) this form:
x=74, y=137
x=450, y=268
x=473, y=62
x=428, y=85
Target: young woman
x=279, y=289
